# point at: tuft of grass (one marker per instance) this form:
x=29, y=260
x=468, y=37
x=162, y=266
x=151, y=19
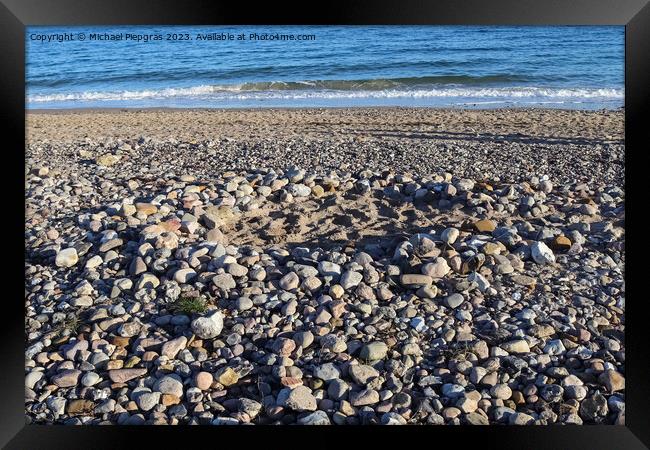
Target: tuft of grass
x=459, y=352
x=189, y=305
x=67, y=327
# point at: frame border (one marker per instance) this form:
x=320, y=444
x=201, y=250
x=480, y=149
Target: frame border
x=634, y=14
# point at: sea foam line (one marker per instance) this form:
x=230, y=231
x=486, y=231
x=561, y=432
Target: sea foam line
x=235, y=92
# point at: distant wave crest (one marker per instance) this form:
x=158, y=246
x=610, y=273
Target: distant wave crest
x=343, y=89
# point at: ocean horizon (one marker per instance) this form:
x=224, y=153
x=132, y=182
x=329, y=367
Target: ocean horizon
x=575, y=67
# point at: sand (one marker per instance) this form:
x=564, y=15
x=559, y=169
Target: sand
x=380, y=124
x=497, y=146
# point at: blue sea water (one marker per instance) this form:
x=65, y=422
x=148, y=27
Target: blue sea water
x=301, y=66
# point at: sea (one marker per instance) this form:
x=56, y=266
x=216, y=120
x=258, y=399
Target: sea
x=575, y=67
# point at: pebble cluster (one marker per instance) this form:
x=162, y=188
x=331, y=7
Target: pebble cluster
x=141, y=309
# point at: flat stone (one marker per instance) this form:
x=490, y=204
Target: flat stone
x=129, y=329
x=337, y=390
x=110, y=245
x=71, y=351
x=516, y=346
x=415, y=280
x=124, y=375
x=392, y=418
x=491, y=248
x=184, y=275
x=594, y=407
x=519, y=418
x=146, y=208
x=467, y=405
x=243, y=304
x=291, y=382
x=327, y=372
x=79, y=406
x=66, y=378
x=214, y=236
x=171, y=348
x=147, y=281
x=107, y=160
x=475, y=418
x=315, y=418
x=224, y=281
x=501, y=391
x=437, y=269
x=90, y=379
x=32, y=378
x=237, y=270
x=561, y=243
x=523, y=280
x=485, y=226
x=329, y=269
x=303, y=338
x=365, y=397
x=169, y=399
x=554, y=347
x=226, y=376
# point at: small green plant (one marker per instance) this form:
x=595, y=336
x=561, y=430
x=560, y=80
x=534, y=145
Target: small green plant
x=189, y=305
x=67, y=327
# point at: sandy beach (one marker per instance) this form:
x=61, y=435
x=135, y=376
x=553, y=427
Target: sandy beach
x=312, y=266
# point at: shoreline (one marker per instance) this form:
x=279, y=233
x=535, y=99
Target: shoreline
x=374, y=124
x=307, y=108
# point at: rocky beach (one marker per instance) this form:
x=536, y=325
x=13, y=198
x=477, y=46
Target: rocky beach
x=325, y=266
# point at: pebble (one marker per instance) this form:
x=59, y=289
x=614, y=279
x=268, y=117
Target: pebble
x=455, y=320
x=365, y=397
x=374, y=351
x=454, y=300
x=415, y=280
x=449, y=235
x=67, y=257
x=362, y=373
x=124, y=375
x=327, y=372
x=350, y=279
x=298, y=399
x=612, y=380
x=315, y=418
x=516, y=346
x=203, y=380
x=171, y=348
x=148, y=400
x=169, y=384
x=66, y=378
x=208, y=326
x=290, y=281
x=541, y=253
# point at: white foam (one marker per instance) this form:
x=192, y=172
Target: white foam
x=235, y=92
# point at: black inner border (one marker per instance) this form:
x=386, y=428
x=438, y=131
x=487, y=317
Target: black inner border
x=16, y=14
